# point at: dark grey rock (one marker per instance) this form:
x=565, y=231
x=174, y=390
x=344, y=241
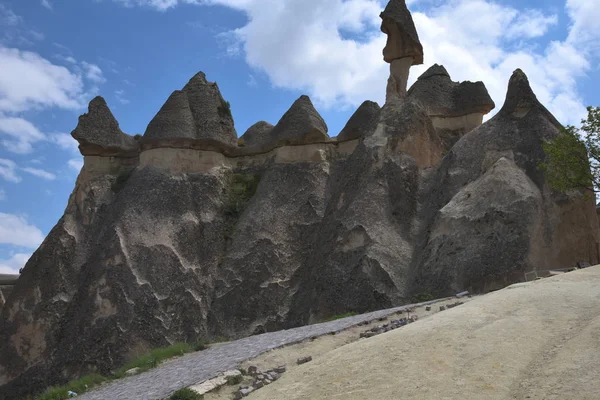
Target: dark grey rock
x=173, y=120
x=280, y=370
x=362, y=123
x=198, y=111
x=257, y=134
x=397, y=13
x=444, y=98
x=301, y=124
x=488, y=204
x=98, y=133
x=304, y=360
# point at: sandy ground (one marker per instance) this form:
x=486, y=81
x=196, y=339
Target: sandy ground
x=537, y=340
x=318, y=347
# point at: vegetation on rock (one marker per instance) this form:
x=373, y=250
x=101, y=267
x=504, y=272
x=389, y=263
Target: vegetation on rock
x=186, y=394
x=573, y=158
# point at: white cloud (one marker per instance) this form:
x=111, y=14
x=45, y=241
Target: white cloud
x=15, y=230
x=93, y=72
x=40, y=173
x=585, y=28
x=47, y=4
x=14, y=264
x=46, y=85
x=8, y=171
x=65, y=141
x=76, y=164
x=18, y=135
x=8, y=17
x=120, y=95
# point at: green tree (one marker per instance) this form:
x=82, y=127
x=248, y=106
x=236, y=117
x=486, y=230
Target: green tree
x=573, y=158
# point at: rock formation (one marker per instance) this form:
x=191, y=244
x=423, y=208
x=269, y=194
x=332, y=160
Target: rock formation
x=98, y=133
x=403, y=48
x=454, y=108
x=301, y=124
x=198, y=111
x=362, y=123
x=183, y=235
x=257, y=134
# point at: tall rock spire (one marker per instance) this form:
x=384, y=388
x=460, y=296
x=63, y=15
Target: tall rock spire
x=403, y=48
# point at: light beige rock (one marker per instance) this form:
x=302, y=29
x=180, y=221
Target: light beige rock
x=398, y=80
x=215, y=383
x=533, y=340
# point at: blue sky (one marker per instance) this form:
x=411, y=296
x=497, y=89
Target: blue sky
x=56, y=55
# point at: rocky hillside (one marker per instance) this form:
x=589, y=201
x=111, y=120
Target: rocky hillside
x=186, y=234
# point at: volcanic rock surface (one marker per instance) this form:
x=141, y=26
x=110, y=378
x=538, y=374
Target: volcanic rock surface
x=182, y=236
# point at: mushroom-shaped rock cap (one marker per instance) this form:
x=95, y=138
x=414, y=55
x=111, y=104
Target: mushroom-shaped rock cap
x=98, y=132
x=257, y=134
x=444, y=98
x=362, y=122
x=198, y=111
x=301, y=124
x=403, y=40
x=520, y=99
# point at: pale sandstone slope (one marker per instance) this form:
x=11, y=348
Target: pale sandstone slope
x=535, y=340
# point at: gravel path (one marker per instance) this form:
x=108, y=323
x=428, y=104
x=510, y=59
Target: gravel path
x=187, y=370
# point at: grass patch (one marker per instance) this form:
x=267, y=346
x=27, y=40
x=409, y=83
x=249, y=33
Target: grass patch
x=144, y=363
x=154, y=358
x=79, y=386
x=339, y=316
x=186, y=394
x=423, y=297
x=239, y=191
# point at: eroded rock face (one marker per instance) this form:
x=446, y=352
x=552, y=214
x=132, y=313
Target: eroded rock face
x=497, y=218
x=154, y=253
x=198, y=111
x=98, y=133
x=362, y=122
x=402, y=38
x=301, y=124
x=444, y=98
x=403, y=48
x=257, y=134
x=455, y=108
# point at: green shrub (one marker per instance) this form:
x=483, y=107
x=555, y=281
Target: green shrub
x=241, y=142
x=339, y=316
x=186, y=394
x=154, y=358
x=78, y=386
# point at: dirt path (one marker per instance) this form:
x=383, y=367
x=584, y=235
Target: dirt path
x=537, y=340
x=192, y=368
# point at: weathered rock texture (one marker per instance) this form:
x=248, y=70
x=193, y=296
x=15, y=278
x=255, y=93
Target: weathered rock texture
x=301, y=124
x=362, y=122
x=198, y=111
x=490, y=214
x=455, y=108
x=98, y=133
x=196, y=237
x=257, y=134
x=403, y=48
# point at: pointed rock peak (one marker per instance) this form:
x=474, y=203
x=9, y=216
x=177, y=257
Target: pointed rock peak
x=362, y=123
x=301, y=124
x=98, y=132
x=257, y=134
x=199, y=78
x=173, y=120
x=435, y=70
x=198, y=111
x=520, y=98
